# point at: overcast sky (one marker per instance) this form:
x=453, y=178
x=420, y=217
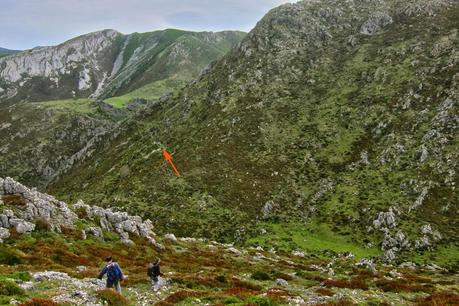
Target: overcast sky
x=28, y=23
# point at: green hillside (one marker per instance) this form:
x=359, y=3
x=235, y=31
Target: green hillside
x=336, y=118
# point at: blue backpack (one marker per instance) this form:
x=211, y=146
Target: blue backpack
x=113, y=272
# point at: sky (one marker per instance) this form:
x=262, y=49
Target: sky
x=25, y=24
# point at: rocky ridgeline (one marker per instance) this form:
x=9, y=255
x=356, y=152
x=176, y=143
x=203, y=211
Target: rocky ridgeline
x=23, y=208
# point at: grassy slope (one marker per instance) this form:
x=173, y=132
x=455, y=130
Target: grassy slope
x=203, y=274
x=177, y=58
x=281, y=126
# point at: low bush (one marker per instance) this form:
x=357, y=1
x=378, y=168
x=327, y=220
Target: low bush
x=10, y=288
x=402, y=286
x=112, y=298
x=24, y=276
x=325, y=292
x=39, y=302
x=440, y=299
x=9, y=257
x=260, y=275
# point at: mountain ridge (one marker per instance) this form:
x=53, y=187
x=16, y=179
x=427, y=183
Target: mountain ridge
x=83, y=66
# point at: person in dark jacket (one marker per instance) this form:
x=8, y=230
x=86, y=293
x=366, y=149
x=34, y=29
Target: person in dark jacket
x=154, y=272
x=114, y=274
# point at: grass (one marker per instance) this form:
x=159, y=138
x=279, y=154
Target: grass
x=312, y=237
x=152, y=91
x=82, y=106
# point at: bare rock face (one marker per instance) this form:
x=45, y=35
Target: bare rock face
x=84, y=57
x=36, y=206
x=375, y=23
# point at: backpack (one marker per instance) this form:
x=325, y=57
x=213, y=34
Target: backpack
x=113, y=272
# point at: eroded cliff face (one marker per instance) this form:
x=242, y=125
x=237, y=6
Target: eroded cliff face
x=75, y=68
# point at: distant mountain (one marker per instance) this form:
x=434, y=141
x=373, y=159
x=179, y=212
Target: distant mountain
x=107, y=63
x=8, y=51
x=333, y=123
x=41, y=140
x=5, y=52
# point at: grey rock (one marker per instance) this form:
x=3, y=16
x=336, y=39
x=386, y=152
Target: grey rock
x=281, y=282
x=50, y=276
x=170, y=237
x=21, y=226
x=95, y=231
x=368, y=263
x=375, y=22
x=408, y=265
x=234, y=251
x=4, y=234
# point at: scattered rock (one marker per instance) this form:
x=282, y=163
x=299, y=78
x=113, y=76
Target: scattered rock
x=234, y=251
x=170, y=237
x=4, y=233
x=408, y=265
x=281, y=282
x=298, y=253
x=368, y=263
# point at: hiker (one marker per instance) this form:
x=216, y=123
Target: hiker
x=154, y=272
x=114, y=274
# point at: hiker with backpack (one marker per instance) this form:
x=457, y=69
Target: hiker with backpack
x=154, y=272
x=114, y=274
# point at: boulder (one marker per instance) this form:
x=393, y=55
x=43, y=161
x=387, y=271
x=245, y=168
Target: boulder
x=21, y=226
x=170, y=237
x=95, y=231
x=234, y=251
x=408, y=265
x=281, y=282
x=4, y=233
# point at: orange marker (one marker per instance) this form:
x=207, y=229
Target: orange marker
x=168, y=157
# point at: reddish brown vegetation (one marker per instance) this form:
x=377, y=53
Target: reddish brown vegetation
x=178, y=297
x=241, y=292
x=325, y=292
x=39, y=302
x=402, y=285
x=353, y=283
x=337, y=303
x=14, y=200
x=440, y=299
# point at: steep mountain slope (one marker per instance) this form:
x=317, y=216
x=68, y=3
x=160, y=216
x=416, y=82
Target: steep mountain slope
x=106, y=63
x=339, y=117
x=54, y=250
x=40, y=141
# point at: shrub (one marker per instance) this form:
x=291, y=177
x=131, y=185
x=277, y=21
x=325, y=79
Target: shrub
x=401, y=285
x=42, y=225
x=39, y=302
x=260, y=301
x=24, y=276
x=111, y=297
x=324, y=292
x=220, y=279
x=440, y=298
x=8, y=257
x=260, y=275
x=10, y=288
x=14, y=200
x=245, y=284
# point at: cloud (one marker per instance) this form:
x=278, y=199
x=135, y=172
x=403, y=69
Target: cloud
x=28, y=23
